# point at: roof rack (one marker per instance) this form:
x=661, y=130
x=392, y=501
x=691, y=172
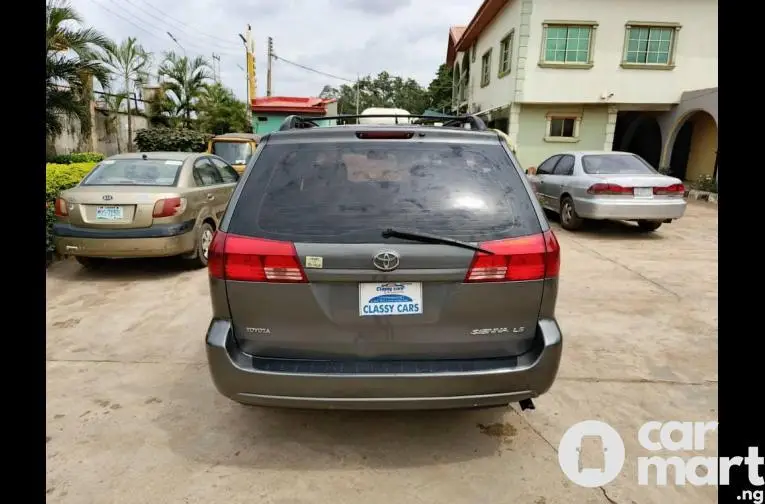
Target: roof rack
x=301, y=122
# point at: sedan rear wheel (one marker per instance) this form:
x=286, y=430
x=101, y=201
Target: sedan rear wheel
x=569, y=219
x=204, y=239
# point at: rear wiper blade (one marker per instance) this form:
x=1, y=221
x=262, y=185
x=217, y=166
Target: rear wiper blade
x=429, y=238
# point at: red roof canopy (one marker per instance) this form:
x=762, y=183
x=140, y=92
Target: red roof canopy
x=296, y=104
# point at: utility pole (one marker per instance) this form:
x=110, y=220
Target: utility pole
x=270, y=57
x=249, y=47
x=358, y=92
x=216, y=72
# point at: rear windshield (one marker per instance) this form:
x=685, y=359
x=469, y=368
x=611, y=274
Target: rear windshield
x=233, y=152
x=616, y=164
x=350, y=192
x=152, y=172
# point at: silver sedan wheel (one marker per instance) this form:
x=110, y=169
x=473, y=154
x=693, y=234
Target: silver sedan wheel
x=566, y=212
x=206, y=240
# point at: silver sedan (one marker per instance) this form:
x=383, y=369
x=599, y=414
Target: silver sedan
x=607, y=185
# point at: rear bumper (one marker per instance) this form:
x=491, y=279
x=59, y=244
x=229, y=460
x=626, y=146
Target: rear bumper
x=382, y=385
x=155, y=241
x=630, y=210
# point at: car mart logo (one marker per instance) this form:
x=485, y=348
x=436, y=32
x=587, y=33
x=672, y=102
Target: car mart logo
x=655, y=436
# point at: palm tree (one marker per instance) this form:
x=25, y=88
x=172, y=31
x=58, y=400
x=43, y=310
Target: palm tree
x=220, y=112
x=184, y=83
x=70, y=67
x=129, y=63
x=113, y=104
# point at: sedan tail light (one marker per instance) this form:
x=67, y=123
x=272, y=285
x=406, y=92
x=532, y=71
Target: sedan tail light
x=612, y=189
x=673, y=190
x=169, y=207
x=60, y=207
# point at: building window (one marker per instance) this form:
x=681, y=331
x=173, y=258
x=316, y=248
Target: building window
x=649, y=45
x=567, y=45
x=563, y=127
x=486, y=68
x=505, y=54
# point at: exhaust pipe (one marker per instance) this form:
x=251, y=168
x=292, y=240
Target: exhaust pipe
x=527, y=404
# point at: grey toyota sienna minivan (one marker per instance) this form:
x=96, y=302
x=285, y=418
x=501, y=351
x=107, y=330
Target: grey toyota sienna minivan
x=384, y=267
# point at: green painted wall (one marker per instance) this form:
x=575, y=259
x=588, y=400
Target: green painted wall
x=532, y=123
x=273, y=121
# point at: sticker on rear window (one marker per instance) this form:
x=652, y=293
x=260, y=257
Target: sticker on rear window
x=174, y=163
x=314, y=262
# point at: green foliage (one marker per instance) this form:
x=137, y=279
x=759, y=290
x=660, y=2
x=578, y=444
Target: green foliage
x=60, y=177
x=184, y=82
x=168, y=139
x=440, y=89
x=384, y=90
x=706, y=183
x=220, y=112
x=77, y=157
x=70, y=67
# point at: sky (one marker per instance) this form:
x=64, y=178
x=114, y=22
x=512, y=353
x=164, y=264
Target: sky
x=343, y=38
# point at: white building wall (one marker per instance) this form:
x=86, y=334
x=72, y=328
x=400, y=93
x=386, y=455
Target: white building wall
x=499, y=92
x=695, y=54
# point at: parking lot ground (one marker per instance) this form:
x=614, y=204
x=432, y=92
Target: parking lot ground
x=132, y=416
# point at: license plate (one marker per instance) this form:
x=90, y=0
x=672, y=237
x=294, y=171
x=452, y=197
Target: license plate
x=644, y=192
x=391, y=298
x=108, y=213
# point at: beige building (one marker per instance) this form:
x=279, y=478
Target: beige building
x=635, y=75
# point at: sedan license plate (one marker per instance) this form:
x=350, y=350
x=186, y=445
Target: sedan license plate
x=108, y=213
x=390, y=298
x=644, y=192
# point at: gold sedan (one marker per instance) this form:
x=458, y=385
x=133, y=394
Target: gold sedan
x=154, y=204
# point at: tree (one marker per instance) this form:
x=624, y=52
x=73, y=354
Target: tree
x=220, y=112
x=440, y=89
x=381, y=91
x=184, y=82
x=113, y=104
x=128, y=63
x=70, y=67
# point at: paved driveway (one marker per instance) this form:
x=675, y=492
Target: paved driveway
x=133, y=416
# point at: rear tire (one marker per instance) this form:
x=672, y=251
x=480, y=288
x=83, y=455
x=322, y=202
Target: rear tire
x=204, y=239
x=569, y=219
x=90, y=262
x=647, y=225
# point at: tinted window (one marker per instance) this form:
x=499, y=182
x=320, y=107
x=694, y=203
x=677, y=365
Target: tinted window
x=227, y=173
x=565, y=166
x=152, y=172
x=616, y=164
x=547, y=166
x=206, y=174
x=233, y=152
x=350, y=192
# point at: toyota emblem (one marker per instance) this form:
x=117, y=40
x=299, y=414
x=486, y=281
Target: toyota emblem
x=387, y=260
x=108, y=197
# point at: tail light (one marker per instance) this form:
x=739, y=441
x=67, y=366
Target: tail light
x=516, y=259
x=60, y=207
x=609, y=189
x=673, y=190
x=245, y=259
x=169, y=207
